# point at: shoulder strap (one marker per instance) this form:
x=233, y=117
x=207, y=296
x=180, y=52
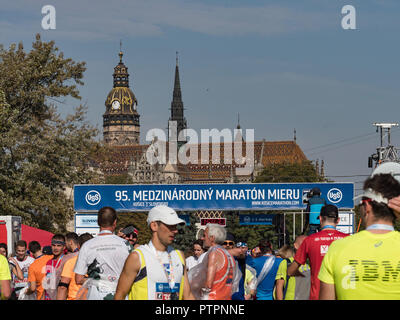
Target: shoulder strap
x=265, y=269
x=230, y=264
x=181, y=258
x=142, y=271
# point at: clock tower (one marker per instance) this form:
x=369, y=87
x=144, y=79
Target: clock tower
x=121, y=119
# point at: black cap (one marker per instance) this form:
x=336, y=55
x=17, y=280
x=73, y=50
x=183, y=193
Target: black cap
x=330, y=211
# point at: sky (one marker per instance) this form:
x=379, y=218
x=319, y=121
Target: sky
x=280, y=65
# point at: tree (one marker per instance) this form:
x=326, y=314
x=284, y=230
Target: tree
x=186, y=234
x=290, y=172
x=29, y=79
x=42, y=155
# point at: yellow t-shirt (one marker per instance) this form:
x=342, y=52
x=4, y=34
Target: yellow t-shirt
x=364, y=266
x=4, y=268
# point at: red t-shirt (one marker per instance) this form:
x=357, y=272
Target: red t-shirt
x=315, y=247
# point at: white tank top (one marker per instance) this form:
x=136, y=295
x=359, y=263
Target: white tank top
x=158, y=286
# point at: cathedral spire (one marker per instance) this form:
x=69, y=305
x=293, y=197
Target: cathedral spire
x=120, y=51
x=177, y=95
x=177, y=109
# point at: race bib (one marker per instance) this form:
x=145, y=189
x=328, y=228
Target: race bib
x=164, y=292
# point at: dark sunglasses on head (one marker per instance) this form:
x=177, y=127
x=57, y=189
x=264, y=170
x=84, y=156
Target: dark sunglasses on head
x=241, y=244
x=228, y=243
x=365, y=200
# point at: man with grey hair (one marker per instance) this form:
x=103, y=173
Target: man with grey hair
x=221, y=266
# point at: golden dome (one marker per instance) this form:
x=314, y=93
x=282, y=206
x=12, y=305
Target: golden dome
x=127, y=102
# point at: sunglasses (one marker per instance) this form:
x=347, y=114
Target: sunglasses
x=241, y=244
x=229, y=243
x=364, y=201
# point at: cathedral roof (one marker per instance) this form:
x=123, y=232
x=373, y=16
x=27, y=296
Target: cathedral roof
x=265, y=153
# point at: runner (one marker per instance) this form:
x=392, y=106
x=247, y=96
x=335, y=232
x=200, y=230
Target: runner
x=102, y=259
x=217, y=276
x=67, y=287
x=365, y=265
x=14, y=266
x=54, y=267
x=297, y=287
x=36, y=270
x=24, y=261
x=239, y=252
x=315, y=246
x=5, y=279
x=266, y=266
x=156, y=271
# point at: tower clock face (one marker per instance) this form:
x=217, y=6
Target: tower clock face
x=115, y=105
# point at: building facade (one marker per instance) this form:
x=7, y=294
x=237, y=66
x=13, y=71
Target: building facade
x=121, y=132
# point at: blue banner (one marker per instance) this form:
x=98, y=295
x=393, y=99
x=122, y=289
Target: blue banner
x=185, y=217
x=192, y=197
x=256, y=219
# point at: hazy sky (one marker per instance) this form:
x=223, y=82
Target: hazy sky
x=282, y=65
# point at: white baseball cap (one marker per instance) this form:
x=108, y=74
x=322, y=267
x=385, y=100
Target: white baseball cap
x=164, y=214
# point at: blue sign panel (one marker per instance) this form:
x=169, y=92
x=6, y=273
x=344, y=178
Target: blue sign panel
x=191, y=197
x=256, y=219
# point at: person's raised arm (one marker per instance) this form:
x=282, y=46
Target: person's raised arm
x=16, y=270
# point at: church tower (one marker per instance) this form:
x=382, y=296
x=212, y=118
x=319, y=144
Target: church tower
x=121, y=119
x=177, y=107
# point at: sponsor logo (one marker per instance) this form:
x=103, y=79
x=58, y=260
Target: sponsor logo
x=324, y=249
x=92, y=197
x=335, y=195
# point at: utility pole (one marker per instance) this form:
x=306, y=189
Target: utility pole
x=384, y=153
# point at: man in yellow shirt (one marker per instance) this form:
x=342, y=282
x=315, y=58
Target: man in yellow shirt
x=366, y=265
x=5, y=278
x=298, y=286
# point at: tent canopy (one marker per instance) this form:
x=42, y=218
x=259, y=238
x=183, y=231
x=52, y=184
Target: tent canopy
x=30, y=234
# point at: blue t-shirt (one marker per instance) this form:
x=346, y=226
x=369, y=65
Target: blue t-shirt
x=314, y=208
x=239, y=295
x=266, y=288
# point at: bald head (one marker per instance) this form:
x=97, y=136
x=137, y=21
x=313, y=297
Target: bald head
x=299, y=240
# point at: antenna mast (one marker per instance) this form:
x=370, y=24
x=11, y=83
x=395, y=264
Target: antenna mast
x=384, y=153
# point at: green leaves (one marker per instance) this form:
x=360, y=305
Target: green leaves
x=41, y=154
x=29, y=78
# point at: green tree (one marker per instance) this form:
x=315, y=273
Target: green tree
x=41, y=154
x=290, y=172
x=186, y=234
x=30, y=79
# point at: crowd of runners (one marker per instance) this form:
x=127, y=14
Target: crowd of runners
x=326, y=264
